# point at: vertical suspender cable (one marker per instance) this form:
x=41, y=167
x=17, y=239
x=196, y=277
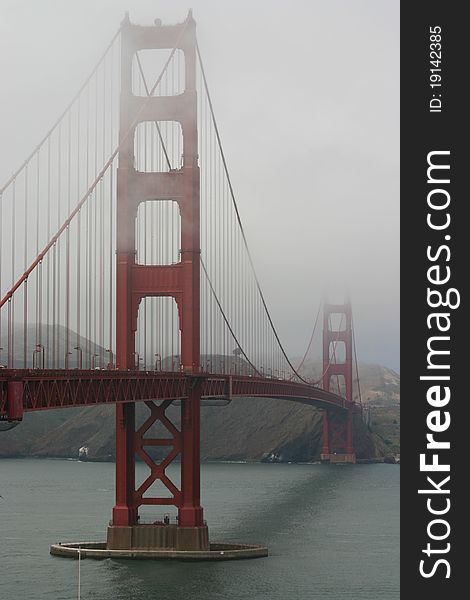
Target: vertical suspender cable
x=11, y=341
x=25, y=258
x=355, y=360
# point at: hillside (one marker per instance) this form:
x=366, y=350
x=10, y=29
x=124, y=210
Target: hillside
x=245, y=429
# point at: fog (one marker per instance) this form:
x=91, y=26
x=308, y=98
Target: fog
x=306, y=95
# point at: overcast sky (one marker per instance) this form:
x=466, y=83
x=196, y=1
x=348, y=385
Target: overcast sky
x=306, y=94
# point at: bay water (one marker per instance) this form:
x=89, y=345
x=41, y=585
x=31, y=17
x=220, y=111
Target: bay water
x=332, y=533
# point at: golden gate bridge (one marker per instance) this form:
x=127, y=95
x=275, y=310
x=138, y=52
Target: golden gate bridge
x=126, y=276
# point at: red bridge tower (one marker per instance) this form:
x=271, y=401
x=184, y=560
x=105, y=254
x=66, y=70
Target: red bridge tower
x=338, y=425
x=179, y=281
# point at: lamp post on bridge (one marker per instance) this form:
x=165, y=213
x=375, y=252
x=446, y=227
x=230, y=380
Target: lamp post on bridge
x=38, y=350
x=80, y=357
x=176, y=364
x=66, y=359
x=136, y=361
x=93, y=361
x=111, y=358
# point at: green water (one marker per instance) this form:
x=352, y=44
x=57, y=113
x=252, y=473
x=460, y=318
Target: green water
x=332, y=533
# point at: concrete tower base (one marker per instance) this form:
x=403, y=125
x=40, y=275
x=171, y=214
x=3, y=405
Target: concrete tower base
x=99, y=551
x=338, y=458
x=157, y=537
x=158, y=541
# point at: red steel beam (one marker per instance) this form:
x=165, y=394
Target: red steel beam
x=50, y=389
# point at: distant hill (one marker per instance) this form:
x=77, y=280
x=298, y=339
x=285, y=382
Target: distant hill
x=381, y=398
x=53, y=351
x=245, y=429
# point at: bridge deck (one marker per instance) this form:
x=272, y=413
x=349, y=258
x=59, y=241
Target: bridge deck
x=50, y=389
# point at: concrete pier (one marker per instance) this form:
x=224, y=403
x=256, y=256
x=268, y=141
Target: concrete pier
x=161, y=537
x=338, y=458
x=99, y=550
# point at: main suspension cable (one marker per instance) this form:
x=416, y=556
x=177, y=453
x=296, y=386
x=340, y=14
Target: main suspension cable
x=226, y=319
x=235, y=206
x=355, y=360
x=310, y=342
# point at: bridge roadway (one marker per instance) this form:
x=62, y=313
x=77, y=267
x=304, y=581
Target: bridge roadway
x=24, y=390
